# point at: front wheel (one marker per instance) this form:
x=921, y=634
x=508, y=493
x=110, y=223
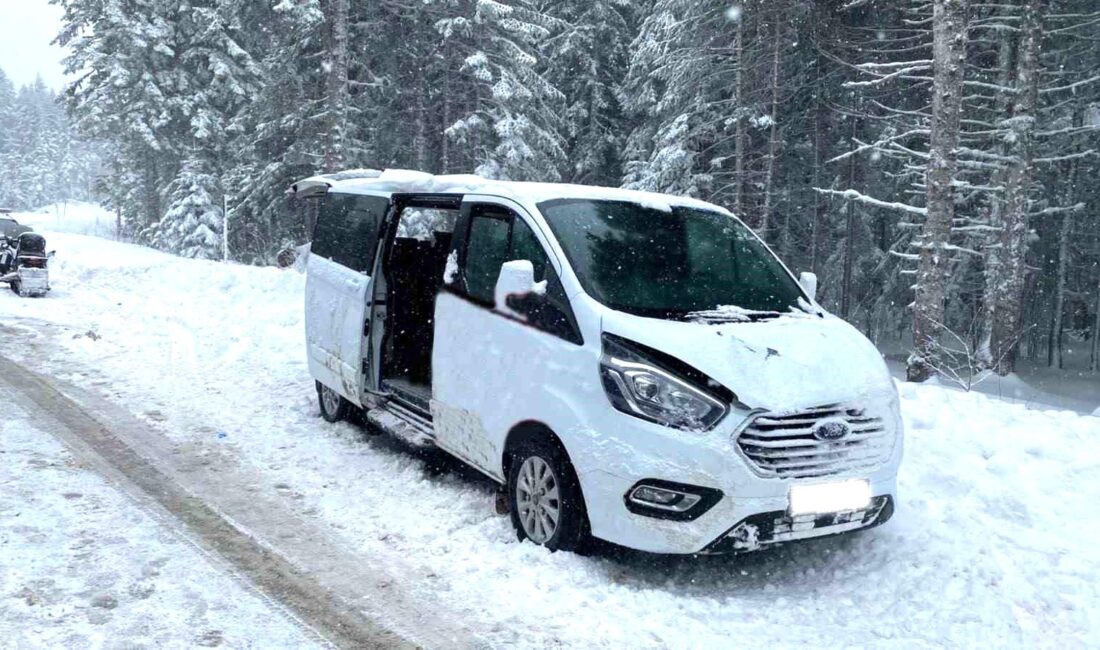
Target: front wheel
x=545, y=498
x=334, y=407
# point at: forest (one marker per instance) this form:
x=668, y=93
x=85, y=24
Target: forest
x=42, y=160
x=933, y=161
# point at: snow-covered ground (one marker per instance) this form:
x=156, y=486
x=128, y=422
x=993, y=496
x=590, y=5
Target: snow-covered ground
x=72, y=217
x=81, y=565
x=992, y=544
x=1074, y=388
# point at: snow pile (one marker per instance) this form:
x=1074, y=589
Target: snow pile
x=71, y=217
x=992, y=543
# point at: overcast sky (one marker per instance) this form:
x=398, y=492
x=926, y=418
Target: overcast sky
x=26, y=29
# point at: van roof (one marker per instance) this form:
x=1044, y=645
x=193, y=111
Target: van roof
x=403, y=181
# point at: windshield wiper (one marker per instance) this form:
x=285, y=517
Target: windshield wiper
x=731, y=314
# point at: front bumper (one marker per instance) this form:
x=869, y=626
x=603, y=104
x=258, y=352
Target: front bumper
x=736, y=523
x=768, y=528
x=753, y=508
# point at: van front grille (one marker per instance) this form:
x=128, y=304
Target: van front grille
x=804, y=444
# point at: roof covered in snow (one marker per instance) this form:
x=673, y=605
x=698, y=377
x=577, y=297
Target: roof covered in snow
x=402, y=181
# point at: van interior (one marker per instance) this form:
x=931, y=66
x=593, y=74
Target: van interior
x=414, y=267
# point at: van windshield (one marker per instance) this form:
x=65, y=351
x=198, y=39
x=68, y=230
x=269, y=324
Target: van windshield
x=687, y=263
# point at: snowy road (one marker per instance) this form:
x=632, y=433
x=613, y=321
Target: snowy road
x=992, y=543
x=85, y=562
x=208, y=502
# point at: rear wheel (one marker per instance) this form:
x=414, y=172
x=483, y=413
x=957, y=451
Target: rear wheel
x=545, y=498
x=14, y=284
x=334, y=407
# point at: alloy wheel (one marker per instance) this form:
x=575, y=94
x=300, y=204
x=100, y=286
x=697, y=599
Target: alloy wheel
x=330, y=399
x=538, y=500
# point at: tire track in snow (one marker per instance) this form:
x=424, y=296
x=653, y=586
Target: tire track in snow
x=292, y=562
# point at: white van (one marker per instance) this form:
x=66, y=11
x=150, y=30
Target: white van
x=631, y=367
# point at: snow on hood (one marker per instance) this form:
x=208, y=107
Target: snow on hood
x=784, y=364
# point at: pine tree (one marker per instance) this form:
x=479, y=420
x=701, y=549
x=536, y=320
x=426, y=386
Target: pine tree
x=192, y=224
x=586, y=58
x=513, y=114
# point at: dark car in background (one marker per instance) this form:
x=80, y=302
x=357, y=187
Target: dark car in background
x=9, y=227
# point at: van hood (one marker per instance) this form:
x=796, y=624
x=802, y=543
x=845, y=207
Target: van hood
x=789, y=363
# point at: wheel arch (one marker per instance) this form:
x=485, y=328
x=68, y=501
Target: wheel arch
x=525, y=431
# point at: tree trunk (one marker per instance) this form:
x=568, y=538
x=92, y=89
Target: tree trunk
x=949, y=52
x=445, y=141
x=773, y=141
x=993, y=254
x=1095, y=361
x=336, y=85
x=1009, y=287
x=739, y=133
x=817, y=234
x=1064, y=234
x=851, y=214
x=420, y=136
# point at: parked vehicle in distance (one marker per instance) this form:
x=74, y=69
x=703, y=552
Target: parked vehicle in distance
x=24, y=264
x=9, y=227
x=633, y=367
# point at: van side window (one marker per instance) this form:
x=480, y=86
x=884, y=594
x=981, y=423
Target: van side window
x=525, y=246
x=347, y=230
x=550, y=312
x=497, y=236
x=486, y=252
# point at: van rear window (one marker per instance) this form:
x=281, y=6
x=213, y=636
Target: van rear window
x=347, y=230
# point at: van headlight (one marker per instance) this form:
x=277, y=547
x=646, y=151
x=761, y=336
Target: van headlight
x=640, y=386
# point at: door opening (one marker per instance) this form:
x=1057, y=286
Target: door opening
x=414, y=268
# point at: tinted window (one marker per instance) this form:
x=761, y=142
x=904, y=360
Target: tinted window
x=347, y=230
x=486, y=252
x=501, y=238
x=668, y=264
x=525, y=246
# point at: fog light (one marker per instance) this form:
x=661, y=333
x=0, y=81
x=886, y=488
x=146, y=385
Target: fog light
x=662, y=499
x=656, y=497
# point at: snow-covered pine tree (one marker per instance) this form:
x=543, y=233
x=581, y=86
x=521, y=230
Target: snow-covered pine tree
x=192, y=223
x=125, y=60
x=679, y=46
x=8, y=158
x=513, y=115
x=713, y=91
x=586, y=59
x=155, y=81
x=41, y=162
x=877, y=172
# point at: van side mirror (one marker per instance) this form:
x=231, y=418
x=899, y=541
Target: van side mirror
x=809, y=284
x=516, y=280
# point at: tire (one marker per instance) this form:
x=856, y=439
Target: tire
x=542, y=467
x=14, y=284
x=336, y=409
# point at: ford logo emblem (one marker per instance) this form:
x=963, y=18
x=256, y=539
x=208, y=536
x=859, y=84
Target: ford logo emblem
x=831, y=430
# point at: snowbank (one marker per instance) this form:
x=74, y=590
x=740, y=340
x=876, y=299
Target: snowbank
x=71, y=217
x=979, y=552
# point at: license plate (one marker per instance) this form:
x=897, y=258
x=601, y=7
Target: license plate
x=826, y=498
